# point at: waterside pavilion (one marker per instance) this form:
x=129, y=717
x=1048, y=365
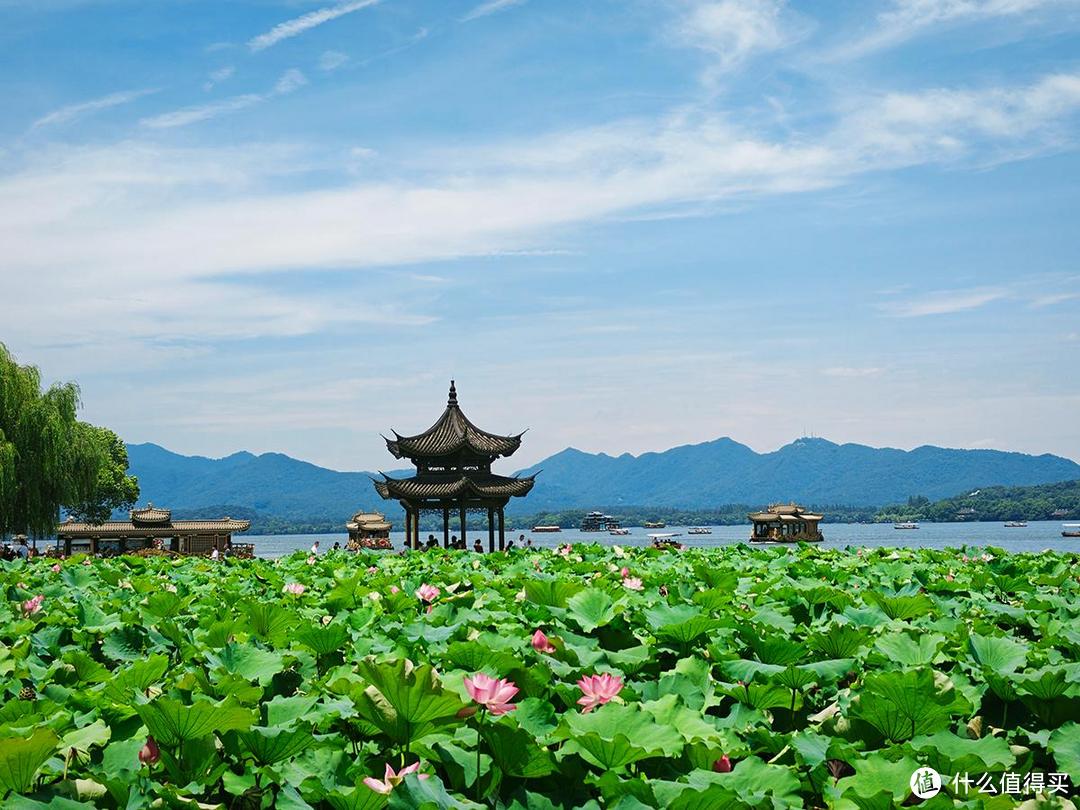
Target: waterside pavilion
x=153, y=527
x=453, y=461
x=785, y=523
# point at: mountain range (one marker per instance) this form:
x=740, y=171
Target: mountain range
x=698, y=476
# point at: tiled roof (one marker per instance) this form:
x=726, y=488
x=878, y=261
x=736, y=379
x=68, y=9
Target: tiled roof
x=151, y=514
x=484, y=486
x=450, y=434
x=117, y=528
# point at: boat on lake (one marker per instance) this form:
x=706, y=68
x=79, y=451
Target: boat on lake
x=546, y=529
x=665, y=539
x=785, y=523
x=906, y=525
x=654, y=524
x=1016, y=524
x=699, y=530
x=1070, y=530
x=618, y=531
x=598, y=522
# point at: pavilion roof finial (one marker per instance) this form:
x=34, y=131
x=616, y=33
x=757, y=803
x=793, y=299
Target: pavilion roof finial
x=452, y=401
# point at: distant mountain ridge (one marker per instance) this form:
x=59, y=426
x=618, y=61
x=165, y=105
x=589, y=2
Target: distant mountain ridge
x=810, y=471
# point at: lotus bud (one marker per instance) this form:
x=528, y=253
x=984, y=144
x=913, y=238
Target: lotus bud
x=722, y=765
x=149, y=753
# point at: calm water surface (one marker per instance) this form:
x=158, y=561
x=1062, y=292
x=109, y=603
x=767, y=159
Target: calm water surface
x=1036, y=536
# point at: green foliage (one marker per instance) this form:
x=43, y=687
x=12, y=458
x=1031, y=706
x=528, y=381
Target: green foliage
x=113, y=488
x=824, y=677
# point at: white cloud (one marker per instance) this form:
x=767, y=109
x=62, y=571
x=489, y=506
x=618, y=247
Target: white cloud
x=83, y=108
x=946, y=302
x=908, y=18
x=143, y=217
x=490, y=7
x=305, y=22
x=332, y=60
x=218, y=76
x=733, y=30
x=290, y=81
x=853, y=372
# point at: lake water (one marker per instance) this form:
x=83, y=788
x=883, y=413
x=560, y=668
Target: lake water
x=1036, y=536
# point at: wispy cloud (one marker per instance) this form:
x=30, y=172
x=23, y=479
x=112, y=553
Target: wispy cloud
x=491, y=7
x=946, y=302
x=731, y=31
x=73, y=111
x=909, y=18
x=332, y=60
x=289, y=82
x=305, y=22
x=853, y=371
x=218, y=76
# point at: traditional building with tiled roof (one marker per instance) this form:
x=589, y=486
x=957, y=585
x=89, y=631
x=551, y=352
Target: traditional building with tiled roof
x=785, y=523
x=453, y=461
x=152, y=528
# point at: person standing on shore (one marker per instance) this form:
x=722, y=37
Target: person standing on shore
x=315, y=549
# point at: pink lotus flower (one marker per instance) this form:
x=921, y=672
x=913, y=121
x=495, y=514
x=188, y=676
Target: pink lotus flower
x=541, y=643
x=394, y=589
x=633, y=584
x=33, y=605
x=149, y=753
x=722, y=765
x=624, y=572
x=494, y=695
x=295, y=588
x=310, y=560
x=391, y=780
x=56, y=568
x=596, y=690
x=372, y=569
x=427, y=593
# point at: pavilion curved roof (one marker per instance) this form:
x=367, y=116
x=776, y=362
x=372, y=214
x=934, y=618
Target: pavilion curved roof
x=486, y=485
x=452, y=433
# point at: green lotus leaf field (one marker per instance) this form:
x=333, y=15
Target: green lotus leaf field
x=587, y=677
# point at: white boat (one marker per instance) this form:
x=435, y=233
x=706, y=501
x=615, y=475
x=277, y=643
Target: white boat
x=1016, y=524
x=907, y=525
x=1070, y=529
x=542, y=529
x=619, y=532
x=699, y=530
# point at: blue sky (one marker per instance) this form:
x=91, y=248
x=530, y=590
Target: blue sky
x=625, y=225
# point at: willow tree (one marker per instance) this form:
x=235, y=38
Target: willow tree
x=46, y=458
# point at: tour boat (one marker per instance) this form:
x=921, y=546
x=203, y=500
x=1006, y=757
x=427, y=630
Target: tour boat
x=908, y=525
x=618, y=531
x=1016, y=524
x=544, y=529
x=598, y=522
x=699, y=530
x=654, y=524
x=1070, y=530
x=665, y=540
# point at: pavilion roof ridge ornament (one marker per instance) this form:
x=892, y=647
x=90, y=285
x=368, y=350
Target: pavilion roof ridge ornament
x=451, y=401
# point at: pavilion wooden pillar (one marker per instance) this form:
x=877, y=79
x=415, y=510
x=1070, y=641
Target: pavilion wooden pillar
x=461, y=516
x=491, y=530
x=502, y=529
x=408, y=527
x=416, y=528
x=445, y=528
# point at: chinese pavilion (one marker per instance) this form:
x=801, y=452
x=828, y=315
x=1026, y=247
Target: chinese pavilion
x=154, y=527
x=785, y=523
x=368, y=530
x=453, y=461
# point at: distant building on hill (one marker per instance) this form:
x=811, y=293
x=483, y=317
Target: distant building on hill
x=785, y=523
x=154, y=528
